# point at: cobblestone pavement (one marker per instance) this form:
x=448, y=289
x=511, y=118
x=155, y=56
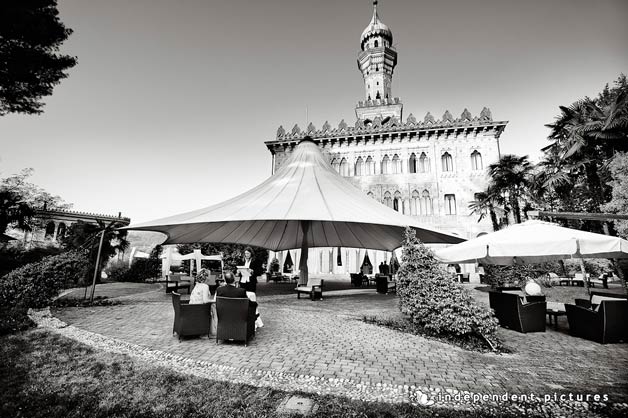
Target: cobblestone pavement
x=328, y=340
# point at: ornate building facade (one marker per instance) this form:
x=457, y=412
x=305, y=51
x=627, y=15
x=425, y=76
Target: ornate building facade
x=430, y=168
x=50, y=225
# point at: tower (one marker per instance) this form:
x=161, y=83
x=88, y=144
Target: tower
x=376, y=61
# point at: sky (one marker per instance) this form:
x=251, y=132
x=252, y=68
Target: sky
x=169, y=106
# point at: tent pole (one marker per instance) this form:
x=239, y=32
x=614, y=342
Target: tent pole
x=102, y=238
x=303, y=273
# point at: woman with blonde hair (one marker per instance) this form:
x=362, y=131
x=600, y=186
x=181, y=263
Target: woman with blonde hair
x=201, y=294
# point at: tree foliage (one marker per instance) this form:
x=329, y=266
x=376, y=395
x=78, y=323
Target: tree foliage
x=30, y=36
x=19, y=199
x=86, y=236
x=618, y=168
x=434, y=301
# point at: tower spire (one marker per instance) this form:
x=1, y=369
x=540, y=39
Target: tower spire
x=376, y=61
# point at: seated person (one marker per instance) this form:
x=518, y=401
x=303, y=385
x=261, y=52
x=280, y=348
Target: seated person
x=200, y=294
x=258, y=319
x=229, y=290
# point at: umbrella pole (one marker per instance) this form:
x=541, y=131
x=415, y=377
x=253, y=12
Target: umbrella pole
x=303, y=273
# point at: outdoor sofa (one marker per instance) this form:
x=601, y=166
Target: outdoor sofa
x=190, y=320
x=606, y=323
x=513, y=314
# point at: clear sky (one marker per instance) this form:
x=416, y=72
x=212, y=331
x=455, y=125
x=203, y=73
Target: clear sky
x=172, y=100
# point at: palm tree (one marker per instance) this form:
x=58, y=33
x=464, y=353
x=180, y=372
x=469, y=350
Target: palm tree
x=587, y=134
x=510, y=178
x=484, y=204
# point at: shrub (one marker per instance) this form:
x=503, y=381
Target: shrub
x=117, y=270
x=435, y=302
x=35, y=285
x=17, y=256
x=515, y=275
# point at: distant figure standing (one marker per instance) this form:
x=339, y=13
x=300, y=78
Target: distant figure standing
x=255, y=270
x=385, y=268
x=381, y=268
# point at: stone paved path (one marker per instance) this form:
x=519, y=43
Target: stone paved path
x=327, y=339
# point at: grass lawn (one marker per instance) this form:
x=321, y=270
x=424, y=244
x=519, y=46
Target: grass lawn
x=43, y=374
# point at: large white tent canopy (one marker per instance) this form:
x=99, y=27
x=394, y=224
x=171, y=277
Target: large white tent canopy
x=305, y=204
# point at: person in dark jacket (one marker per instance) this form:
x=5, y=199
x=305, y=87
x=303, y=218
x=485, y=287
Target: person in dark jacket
x=229, y=290
x=255, y=270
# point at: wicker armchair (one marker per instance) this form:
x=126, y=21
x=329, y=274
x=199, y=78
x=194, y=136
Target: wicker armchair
x=236, y=319
x=607, y=324
x=513, y=314
x=190, y=319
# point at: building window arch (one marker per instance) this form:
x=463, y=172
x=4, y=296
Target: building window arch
x=414, y=203
x=396, y=164
x=376, y=43
x=386, y=165
x=476, y=161
x=412, y=163
x=371, y=195
x=397, y=203
x=61, y=229
x=359, y=167
x=425, y=203
x=344, y=167
x=50, y=230
x=370, y=166
x=447, y=162
x=424, y=163
x=450, y=204
x=388, y=199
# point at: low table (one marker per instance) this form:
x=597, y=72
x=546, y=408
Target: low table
x=555, y=313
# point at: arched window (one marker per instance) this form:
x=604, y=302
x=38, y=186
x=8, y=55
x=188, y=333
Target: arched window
x=359, y=167
x=397, y=202
x=61, y=230
x=386, y=165
x=344, y=167
x=406, y=207
x=447, y=162
x=336, y=165
x=414, y=203
x=424, y=164
x=450, y=204
x=370, y=166
x=371, y=195
x=376, y=43
x=396, y=164
x=50, y=230
x=425, y=204
x=388, y=199
x=412, y=163
x=476, y=160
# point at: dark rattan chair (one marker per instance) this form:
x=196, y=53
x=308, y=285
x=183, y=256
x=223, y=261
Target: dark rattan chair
x=607, y=324
x=236, y=319
x=513, y=314
x=189, y=319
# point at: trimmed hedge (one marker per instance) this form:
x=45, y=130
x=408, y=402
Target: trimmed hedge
x=435, y=302
x=35, y=285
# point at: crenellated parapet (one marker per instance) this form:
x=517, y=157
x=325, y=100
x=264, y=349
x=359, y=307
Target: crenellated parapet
x=390, y=125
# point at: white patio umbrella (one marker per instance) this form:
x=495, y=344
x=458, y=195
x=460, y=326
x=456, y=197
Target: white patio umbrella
x=196, y=257
x=534, y=242
x=306, y=203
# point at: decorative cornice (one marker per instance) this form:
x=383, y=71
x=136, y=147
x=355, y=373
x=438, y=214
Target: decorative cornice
x=42, y=213
x=466, y=120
